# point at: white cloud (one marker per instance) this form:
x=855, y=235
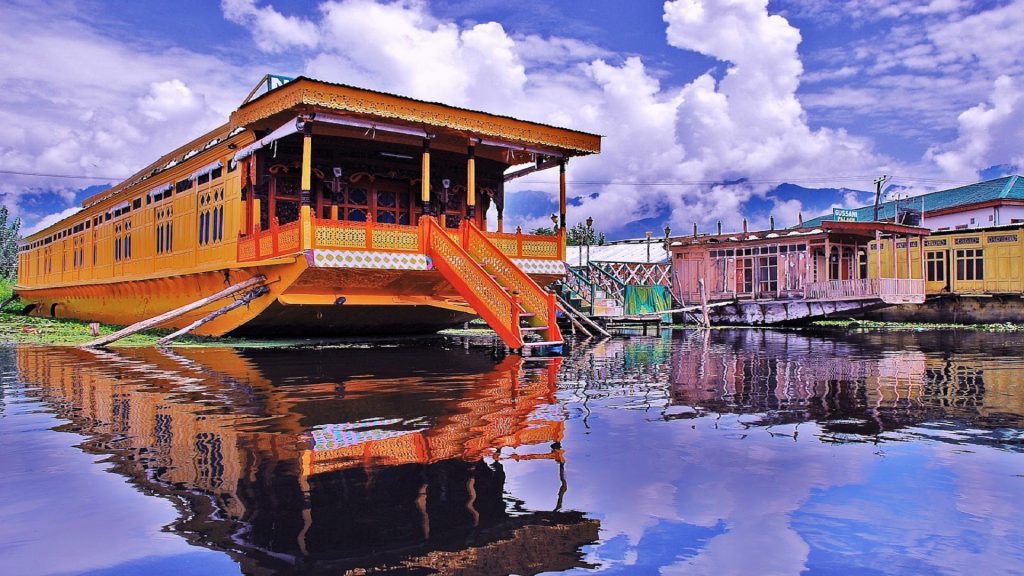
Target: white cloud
x=272, y=31
x=80, y=102
x=990, y=133
x=747, y=125
x=51, y=219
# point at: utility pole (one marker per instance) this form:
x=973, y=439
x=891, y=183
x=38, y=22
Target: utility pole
x=878, y=192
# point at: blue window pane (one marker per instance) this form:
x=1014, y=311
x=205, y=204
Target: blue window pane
x=357, y=196
x=386, y=199
x=357, y=215
x=386, y=217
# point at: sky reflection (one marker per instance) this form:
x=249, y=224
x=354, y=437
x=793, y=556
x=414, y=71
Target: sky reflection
x=752, y=452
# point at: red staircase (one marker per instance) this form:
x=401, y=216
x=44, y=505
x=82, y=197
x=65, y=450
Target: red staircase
x=502, y=294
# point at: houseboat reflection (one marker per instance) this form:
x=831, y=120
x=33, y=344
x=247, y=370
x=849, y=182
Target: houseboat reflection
x=316, y=463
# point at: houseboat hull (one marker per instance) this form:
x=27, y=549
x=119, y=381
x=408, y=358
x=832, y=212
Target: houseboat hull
x=302, y=300
x=782, y=312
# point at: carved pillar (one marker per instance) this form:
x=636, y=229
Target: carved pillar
x=471, y=182
x=425, y=179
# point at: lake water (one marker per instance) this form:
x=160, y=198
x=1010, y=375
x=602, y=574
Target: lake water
x=732, y=452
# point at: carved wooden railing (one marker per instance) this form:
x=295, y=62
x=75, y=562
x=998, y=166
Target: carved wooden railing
x=901, y=290
x=859, y=289
x=576, y=282
x=638, y=273
x=366, y=236
x=533, y=298
x=613, y=287
x=526, y=246
x=276, y=241
x=483, y=293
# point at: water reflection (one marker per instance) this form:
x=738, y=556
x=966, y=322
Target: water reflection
x=725, y=452
x=757, y=452
x=329, y=460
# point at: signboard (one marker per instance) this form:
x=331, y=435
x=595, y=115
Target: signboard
x=844, y=215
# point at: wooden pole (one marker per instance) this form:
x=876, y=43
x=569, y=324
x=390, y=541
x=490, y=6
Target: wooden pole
x=471, y=183
x=565, y=306
x=577, y=325
x=561, y=193
x=705, y=319
x=244, y=300
x=168, y=316
x=425, y=178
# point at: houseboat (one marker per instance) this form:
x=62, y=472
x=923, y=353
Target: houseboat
x=356, y=211
x=798, y=274
x=971, y=275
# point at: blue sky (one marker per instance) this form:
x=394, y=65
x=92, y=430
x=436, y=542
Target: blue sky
x=707, y=106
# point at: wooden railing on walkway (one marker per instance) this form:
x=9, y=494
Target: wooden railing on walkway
x=893, y=290
x=271, y=243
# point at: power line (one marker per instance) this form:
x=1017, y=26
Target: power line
x=68, y=176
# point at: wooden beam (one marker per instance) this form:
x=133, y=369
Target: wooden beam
x=243, y=301
x=565, y=306
x=576, y=323
x=168, y=316
x=549, y=163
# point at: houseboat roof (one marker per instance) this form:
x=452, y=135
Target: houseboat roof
x=863, y=229
x=634, y=250
x=291, y=97
x=1008, y=189
x=304, y=92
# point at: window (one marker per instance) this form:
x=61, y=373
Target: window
x=745, y=275
x=936, y=265
x=970, y=264
x=768, y=274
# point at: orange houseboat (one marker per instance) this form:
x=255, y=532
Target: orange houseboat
x=365, y=212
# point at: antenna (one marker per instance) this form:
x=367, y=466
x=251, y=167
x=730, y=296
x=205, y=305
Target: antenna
x=878, y=191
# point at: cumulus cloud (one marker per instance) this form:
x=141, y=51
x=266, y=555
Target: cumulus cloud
x=989, y=133
x=79, y=102
x=51, y=219
x=746, y=125
x=271, y=30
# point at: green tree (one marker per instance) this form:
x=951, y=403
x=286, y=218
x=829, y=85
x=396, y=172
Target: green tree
x=580, y=235
x=548, y=231
x=9, y=237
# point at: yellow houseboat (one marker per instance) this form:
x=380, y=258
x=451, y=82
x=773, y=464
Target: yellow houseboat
x=360, y=212
x=972, y=275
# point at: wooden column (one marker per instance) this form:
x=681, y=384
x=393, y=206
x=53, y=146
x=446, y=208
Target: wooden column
x=924, y=265
x=471, y=182
x=895, y=259
x=878, y=252
x=561, y=192
x=828, y=259
x=305, y=216
x=425, y=179
x=910, y=273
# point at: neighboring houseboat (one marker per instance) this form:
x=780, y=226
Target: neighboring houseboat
x=778, y=276
x=620, y=279
x=973, y=275
x=365, y=212
x=973, y=259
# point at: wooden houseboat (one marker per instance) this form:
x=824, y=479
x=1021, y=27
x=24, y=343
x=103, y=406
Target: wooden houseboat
x=778, y=276
x=358, y=211
x=971, y=275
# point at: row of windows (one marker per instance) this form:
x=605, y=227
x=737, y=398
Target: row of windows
x=970, y=265
x=759, y=250
x=135, y=204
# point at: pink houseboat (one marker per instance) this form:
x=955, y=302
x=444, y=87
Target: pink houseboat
x=797, y=274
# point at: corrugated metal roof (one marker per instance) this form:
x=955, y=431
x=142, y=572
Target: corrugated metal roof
x=1007, y=187
x=633, y=250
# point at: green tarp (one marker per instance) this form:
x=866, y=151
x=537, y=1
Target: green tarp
x=647, y=300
